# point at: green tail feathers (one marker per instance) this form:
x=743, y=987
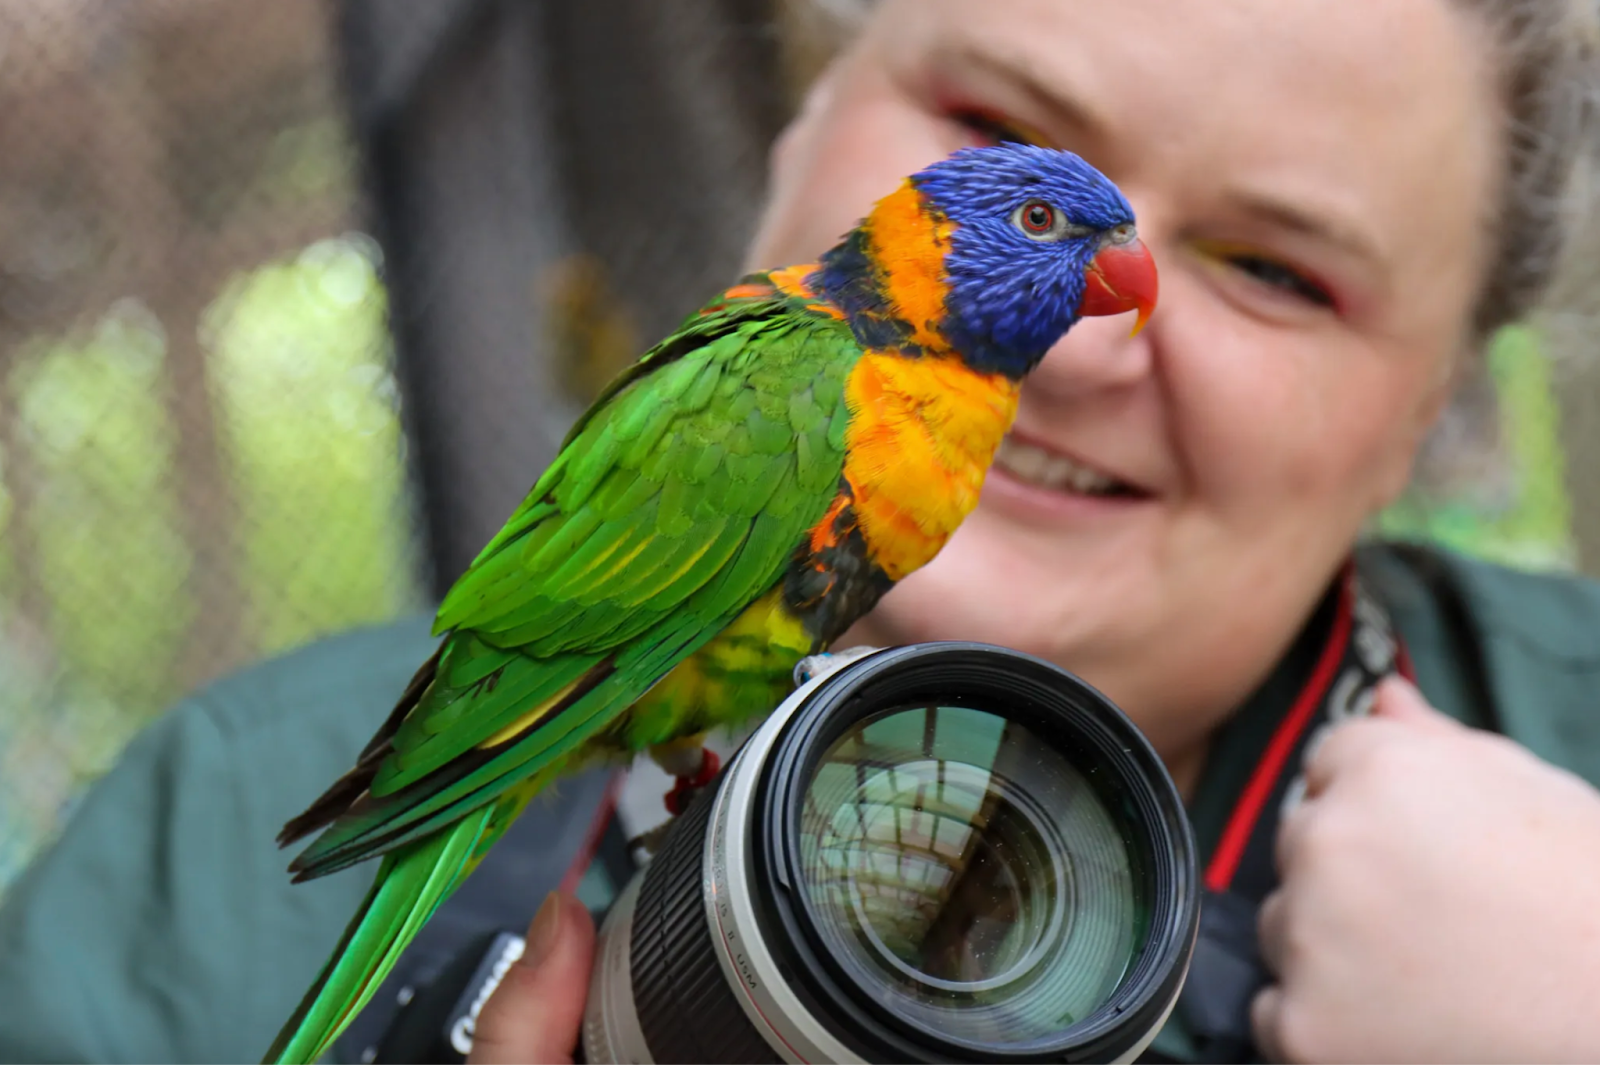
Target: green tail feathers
x=412, y=881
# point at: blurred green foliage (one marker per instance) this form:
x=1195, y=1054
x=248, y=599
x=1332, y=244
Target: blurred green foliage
x=308, y=414
x=308, y=432
x=1527, y=521
x=102, y=513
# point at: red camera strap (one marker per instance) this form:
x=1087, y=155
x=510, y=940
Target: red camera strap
x=1361, y=649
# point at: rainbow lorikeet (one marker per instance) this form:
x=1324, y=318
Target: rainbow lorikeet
x=729, y=505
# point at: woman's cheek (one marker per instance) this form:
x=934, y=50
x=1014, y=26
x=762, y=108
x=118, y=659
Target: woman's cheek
x=1283, y=403
x=1227, y=395
x=1252, y=416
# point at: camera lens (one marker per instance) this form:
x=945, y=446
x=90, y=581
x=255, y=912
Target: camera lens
x=939, y=852
x=967, y=874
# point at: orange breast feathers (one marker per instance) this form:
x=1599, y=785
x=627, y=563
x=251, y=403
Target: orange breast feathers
x=922, y=433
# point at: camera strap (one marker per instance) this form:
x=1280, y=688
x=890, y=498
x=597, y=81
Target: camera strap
x=1360, y=649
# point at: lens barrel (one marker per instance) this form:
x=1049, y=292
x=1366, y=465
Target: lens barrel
x=943, y=852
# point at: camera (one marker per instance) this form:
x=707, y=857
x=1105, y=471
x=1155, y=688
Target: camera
x=941, y=852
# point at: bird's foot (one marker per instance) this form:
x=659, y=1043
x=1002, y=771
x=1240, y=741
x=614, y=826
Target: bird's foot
x=687, y=787
x=650, y=841
x=825, y=662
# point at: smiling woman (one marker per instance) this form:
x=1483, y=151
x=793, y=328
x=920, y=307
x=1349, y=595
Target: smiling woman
x=1345, y=201
x=1320, y=281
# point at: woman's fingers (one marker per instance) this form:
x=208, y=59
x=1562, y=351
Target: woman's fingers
x=536, y=1012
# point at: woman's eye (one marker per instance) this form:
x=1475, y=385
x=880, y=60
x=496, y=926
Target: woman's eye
x=1276, y=275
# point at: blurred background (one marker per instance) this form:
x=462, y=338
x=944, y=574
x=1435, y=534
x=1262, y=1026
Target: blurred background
x=297, y=298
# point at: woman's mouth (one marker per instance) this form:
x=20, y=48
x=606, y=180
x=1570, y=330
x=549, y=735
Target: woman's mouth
x=1051, y=469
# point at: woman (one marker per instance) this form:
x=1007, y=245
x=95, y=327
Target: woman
x=1341, y=218
x=1342, y=214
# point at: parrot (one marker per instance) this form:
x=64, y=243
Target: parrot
x=730, y=504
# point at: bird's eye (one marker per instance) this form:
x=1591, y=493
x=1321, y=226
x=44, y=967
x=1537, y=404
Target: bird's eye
x=1040, y=221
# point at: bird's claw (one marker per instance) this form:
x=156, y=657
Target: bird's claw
x=651, y=840
x=819, y=665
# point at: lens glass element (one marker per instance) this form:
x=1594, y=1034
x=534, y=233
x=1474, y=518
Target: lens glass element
x=969, y=877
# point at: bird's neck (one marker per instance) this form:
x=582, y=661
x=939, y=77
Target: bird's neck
x=888, y=276
x=889, y=279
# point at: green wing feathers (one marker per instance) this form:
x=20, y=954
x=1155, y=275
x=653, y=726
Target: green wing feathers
x=676, y=502
x=630, y=553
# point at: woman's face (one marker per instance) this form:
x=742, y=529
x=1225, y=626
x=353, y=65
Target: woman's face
x=1314, y=181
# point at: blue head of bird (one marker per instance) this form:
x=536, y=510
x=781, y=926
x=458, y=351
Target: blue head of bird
x=1036, y=239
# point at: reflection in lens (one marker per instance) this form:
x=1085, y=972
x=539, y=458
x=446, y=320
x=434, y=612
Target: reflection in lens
x=967, y=875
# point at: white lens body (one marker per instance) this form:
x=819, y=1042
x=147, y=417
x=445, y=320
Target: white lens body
x=772, y=1006
x=611, y=1029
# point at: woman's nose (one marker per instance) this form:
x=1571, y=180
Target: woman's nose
x=1098, y=354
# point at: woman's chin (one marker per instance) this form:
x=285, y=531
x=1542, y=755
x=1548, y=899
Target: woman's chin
x=1024, y=605
x=1057, y=570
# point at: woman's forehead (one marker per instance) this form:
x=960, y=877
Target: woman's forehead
x=1372, y=122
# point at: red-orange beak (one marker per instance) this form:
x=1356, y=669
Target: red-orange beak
x=1121, y=278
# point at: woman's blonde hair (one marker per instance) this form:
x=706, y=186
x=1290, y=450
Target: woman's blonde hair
x=1548, y=221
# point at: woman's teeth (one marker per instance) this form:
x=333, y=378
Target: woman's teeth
x=1038, y=466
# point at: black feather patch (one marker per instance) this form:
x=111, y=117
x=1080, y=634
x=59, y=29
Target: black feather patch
x=832, y=581
x=851, y=280
x=344, y=792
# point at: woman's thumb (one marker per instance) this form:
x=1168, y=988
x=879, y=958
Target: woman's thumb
x=1399, y=700
x=536, y=1013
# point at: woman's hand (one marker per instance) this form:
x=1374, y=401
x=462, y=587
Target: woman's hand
x=1440, y=900
x=535, y=1014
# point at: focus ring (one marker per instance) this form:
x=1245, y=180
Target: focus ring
x=684, y=1003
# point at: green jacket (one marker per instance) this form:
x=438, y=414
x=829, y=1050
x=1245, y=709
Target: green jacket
x=162, y=927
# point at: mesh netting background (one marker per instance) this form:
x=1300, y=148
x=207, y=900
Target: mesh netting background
x=297, y=298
